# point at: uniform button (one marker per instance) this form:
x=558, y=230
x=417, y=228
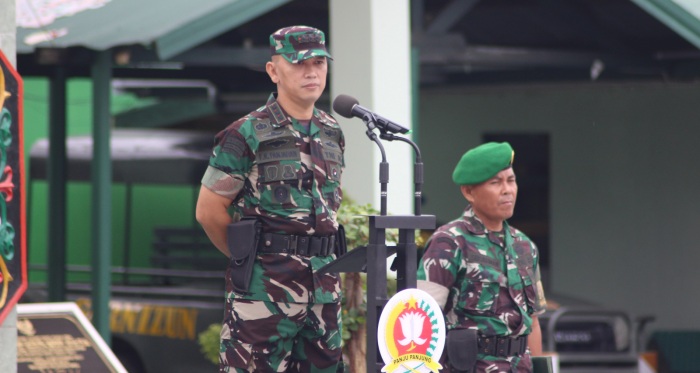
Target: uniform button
x=268, y=243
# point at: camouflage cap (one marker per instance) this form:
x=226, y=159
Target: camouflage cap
x=482, y=163
x=298, y=43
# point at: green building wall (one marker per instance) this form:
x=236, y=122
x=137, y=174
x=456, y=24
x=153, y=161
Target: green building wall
x=623, y=183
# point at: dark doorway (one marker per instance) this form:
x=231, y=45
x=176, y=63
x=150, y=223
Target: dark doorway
x=531, y=166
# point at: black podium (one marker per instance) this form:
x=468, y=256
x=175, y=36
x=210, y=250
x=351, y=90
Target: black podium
x=372, y=260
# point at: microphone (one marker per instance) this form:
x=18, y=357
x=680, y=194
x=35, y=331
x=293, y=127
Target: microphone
x=349, y=107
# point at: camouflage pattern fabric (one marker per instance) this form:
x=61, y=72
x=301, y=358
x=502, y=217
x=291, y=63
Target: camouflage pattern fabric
x=274, y=169
x=490, y=364
x=291, y=182
x=298, y=43
x=305, y=337
x=493, y=280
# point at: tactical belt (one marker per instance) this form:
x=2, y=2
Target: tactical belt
x=274, y=243
x=502, y=346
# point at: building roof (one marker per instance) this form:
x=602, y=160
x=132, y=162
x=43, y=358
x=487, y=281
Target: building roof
x=458, y=40
x=168, y=26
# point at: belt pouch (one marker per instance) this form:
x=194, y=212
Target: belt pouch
x=242, y=240
x=341, y=245
x=462, y=347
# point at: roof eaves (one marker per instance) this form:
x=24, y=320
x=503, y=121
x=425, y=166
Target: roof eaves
x=211, y=25
x=675, y=17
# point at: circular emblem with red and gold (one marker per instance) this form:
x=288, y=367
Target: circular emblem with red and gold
x=411, y=333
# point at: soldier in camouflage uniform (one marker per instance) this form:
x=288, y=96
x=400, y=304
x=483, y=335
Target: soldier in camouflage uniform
x=281, y=164
x=483, y=272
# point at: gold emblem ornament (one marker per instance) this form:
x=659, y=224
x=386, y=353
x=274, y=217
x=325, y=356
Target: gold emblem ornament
x=3, y=94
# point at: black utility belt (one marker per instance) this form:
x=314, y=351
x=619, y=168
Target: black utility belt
x=275, y=243
x=502, y=346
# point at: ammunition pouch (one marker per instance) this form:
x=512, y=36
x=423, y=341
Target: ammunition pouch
x=242, y=240
x=462, y=349
x=341, y=245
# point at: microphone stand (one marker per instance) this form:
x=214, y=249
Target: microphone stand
x=372, y=258
x=406, y=249
x=417, y=168
x=371, y=121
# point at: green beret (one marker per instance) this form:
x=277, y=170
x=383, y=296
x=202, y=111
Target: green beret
x=482, y=163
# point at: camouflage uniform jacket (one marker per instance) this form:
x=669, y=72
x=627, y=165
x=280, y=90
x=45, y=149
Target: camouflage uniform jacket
x=493, y=278
x=272, y=169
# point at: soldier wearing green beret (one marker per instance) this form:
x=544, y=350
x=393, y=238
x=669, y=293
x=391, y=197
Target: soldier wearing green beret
x=279, y=168
x=483, y=272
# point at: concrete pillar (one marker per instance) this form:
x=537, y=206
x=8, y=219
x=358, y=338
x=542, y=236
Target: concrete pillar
x=370, y=41
x=8, y=42
x=8, y=329
x=8, y=337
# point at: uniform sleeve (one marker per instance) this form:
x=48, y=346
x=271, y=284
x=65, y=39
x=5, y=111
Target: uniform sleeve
x=439, y=268
x=229, y=165
x=540, y=303
x=540, y=300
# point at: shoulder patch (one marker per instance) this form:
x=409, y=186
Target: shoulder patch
x=261, y=126
x=331, y=133
x=234, y=145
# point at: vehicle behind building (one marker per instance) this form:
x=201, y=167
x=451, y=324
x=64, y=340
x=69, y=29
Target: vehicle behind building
x=590, y=338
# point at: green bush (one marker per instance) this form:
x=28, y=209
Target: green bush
x=209, y=342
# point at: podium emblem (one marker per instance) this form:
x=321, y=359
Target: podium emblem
x=411, y=333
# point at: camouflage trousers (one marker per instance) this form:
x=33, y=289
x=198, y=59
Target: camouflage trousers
x=262, y=336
